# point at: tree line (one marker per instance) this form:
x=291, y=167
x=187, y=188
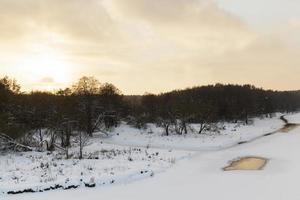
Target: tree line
x=89, y=106
x=213, y=103
x=86, y=107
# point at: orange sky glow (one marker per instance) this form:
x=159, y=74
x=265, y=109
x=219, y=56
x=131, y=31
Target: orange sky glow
x=150, y=46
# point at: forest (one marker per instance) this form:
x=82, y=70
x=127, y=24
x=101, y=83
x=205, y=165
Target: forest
x=89, y=106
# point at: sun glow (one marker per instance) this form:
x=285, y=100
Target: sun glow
x=46, y=69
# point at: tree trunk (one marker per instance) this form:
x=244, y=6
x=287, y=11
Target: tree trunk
x=202, y=127
x=167, y=130
x=41, y=136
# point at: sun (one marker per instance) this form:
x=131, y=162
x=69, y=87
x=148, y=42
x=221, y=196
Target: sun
x=46, y=69
x=48, y=65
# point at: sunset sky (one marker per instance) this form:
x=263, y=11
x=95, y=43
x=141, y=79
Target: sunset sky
x=151, y=45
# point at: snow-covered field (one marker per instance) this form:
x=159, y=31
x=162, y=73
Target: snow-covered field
x=230, y=135
x=199, y=176
x=104, y=164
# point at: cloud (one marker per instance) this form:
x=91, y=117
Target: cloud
x=267, y=62
x=194, y=24
x=295, y=23
x=47, y=80
x=76, y=19
x=145, y=44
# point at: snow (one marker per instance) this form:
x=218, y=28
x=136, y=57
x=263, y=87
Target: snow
x=293, y=118
x=230, y=136
x=200, y=174
x=106, y=164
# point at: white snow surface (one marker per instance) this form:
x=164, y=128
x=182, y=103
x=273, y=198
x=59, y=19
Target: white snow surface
x=199, y=175
x=232, y=134
x=104, y=164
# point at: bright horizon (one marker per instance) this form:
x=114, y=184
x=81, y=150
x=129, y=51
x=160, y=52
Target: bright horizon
x=151, y=46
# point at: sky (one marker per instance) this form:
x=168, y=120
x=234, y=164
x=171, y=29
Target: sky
x=151, y=45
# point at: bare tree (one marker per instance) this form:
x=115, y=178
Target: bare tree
x=82, y=140
x=86, y=91
x=181, y=125
x=8, y=143
x=50, y=144
x=165, y=124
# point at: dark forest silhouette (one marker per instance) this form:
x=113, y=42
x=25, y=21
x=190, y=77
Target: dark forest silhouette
x=89, y=106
